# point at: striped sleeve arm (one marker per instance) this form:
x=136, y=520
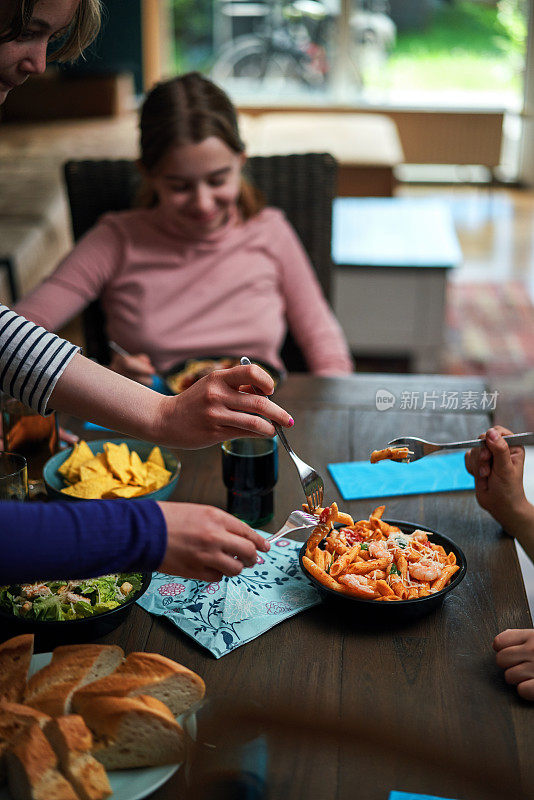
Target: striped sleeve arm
x=31, y=360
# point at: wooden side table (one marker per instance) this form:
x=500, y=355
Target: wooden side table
x=392, y=257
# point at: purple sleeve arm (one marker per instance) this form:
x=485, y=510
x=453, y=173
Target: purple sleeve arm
x=43, y=541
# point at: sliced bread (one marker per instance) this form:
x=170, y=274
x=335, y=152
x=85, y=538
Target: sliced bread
x=148, y=674
x=50, y=690
x=133, y=732
x=72, y=742
x=13, y=718
x=32, y=772
x=15, y=657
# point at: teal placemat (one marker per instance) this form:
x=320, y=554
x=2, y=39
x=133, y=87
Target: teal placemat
x=442, y=473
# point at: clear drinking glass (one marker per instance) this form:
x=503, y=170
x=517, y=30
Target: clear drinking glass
x=13, y=477
x=250, y=472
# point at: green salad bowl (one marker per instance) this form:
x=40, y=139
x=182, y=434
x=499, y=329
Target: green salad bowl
x=54, y=481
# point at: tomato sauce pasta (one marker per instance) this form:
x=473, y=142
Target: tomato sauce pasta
x=374, y=560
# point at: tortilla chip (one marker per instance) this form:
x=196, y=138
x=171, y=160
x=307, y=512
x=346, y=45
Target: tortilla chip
x=156, y=458
x=156, y=474
x=86, y=473
x=118, y=458
x=98, y=464
x=152, y=486
x=138, y=469
x=125, y=491
x=92, y=489
x=70, y=468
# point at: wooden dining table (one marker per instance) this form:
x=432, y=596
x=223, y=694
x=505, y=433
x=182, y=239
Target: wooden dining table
x=354, y=706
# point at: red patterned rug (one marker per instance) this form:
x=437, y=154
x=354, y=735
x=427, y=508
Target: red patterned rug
x=490, y=332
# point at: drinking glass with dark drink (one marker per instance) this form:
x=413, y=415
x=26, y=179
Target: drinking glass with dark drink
x=13, y=477
x=250, y=472
x=28, y=433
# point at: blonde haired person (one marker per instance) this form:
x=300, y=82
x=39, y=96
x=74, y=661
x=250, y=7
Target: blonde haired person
x=27, y=27
x=49, y=373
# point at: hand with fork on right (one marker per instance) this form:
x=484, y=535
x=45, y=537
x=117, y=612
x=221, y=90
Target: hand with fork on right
x=498, y=473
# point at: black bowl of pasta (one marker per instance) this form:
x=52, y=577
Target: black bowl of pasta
x=406, y=608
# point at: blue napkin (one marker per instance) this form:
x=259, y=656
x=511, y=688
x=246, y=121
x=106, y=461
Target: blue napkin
x=394, y=795
x=90, y=426
x=222, y=616
x=441, y=473
x=158, y=385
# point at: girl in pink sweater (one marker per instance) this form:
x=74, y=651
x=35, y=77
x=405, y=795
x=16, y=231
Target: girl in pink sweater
x=202, y=268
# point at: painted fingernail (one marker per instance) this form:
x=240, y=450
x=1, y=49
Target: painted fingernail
x=291, y=422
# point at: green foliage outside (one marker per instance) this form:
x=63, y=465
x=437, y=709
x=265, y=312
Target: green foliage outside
x=193, y=23
x=468, y=46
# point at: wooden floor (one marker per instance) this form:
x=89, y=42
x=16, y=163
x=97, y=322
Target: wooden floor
x=495, y=227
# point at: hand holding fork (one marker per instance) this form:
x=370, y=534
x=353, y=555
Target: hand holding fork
x=419, y=448
x=311, y=481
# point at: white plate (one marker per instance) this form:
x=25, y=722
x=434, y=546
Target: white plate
x=127, y=784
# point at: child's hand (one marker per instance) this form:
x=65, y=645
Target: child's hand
x=515, y=654
x=137, y=367
x=498, y=473
x=206, y=543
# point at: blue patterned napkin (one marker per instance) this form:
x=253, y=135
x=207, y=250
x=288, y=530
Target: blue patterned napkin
x=222, y=616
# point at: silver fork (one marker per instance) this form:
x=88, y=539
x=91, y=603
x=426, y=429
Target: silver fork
x=311, y=481
x=419, y=448
x=297, y=521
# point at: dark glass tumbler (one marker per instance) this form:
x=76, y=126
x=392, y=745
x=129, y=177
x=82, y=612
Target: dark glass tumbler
x=250, y=472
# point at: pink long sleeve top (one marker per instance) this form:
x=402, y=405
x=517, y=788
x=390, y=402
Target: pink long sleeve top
x=175, y=297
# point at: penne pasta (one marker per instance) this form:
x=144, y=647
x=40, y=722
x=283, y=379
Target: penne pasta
x=447, y=574
x=319, y=574
x=318, y=557
x=373, y=560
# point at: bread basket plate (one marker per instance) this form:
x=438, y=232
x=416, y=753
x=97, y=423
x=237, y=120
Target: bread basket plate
x=127, y=784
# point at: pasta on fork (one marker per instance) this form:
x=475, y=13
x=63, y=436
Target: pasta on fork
x=391, y=453
x=374, y=560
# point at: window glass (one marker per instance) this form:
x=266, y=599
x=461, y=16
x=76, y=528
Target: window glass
x=424, y=52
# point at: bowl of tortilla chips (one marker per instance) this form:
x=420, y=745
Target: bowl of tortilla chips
x=114, y=468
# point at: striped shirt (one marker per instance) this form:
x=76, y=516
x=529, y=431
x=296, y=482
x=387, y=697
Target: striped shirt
x=31, y=360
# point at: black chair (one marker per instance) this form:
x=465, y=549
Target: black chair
x=303, y=186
